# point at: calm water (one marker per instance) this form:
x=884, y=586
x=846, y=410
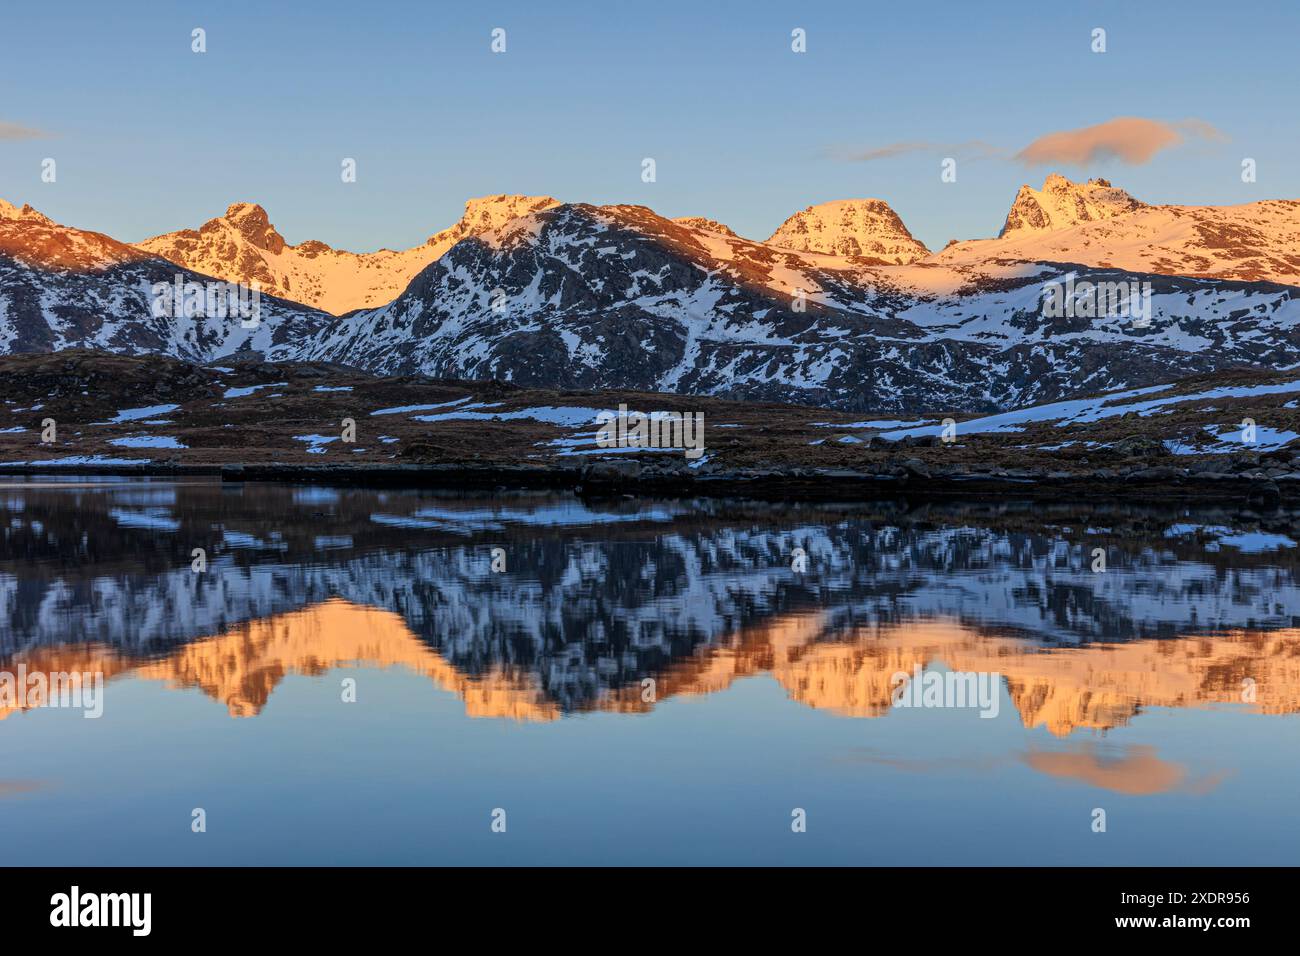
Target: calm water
x=645, y=682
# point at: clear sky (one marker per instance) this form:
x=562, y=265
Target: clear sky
x=151, y=137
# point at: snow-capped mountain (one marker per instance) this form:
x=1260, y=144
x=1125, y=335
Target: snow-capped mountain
x=32, y=239
x=1098, y=225
x=62, y=287
x=243, y=246
x=864, y=228
x=581, y=296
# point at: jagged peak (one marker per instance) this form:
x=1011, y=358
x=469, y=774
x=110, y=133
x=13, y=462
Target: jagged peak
x=24, y=212
x=1063, y=203
x=251, y=221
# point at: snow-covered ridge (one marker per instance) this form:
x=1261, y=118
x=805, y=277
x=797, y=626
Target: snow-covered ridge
x=615, y=296
x=243, y=246
x=37, y=242
x=62, y=288
x=1098, y=225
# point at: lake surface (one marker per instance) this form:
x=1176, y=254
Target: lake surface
x=346, y=678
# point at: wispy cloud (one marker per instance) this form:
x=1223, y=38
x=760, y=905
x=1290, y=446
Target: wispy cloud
x=1200, y=129
x=12, y=131
x=15, y=787
x=1128, y=139
x=969, y=149
x=867, y=755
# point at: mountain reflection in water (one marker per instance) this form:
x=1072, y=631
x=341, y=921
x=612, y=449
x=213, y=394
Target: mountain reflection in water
x=848, y=671
x=597, y=597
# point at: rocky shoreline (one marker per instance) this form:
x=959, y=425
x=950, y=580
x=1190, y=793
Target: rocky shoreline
x=87, y=413
x=912, y=478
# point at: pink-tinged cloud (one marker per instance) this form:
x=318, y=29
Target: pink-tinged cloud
x=14, y=787
x=1129, y=139
x=1135, y=771
x=12, y=131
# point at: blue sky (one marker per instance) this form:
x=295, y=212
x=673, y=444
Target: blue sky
x=150, y=137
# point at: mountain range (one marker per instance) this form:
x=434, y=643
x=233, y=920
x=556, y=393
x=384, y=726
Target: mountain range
x=243, y=246
x=841, y=306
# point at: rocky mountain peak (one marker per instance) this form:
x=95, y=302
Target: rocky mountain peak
x=251, y=221
x=487, y=213
x=24, y=212
x=709, y=225
x=1062, y=203
x=866, y=228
